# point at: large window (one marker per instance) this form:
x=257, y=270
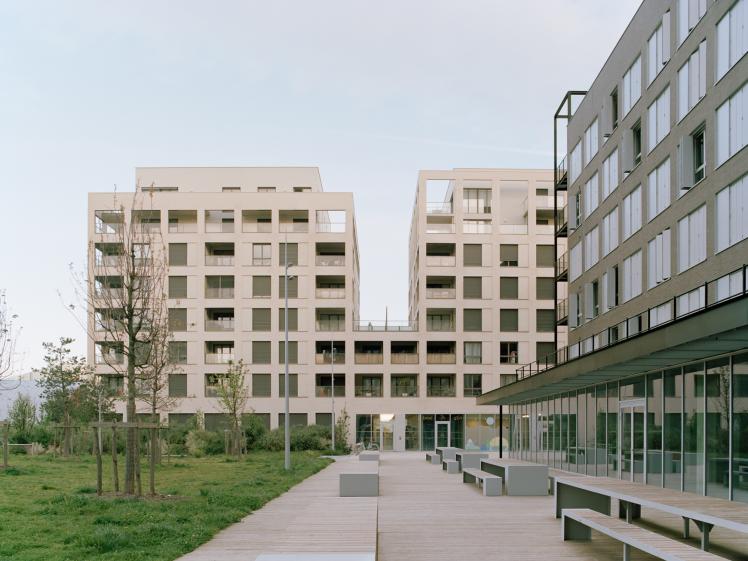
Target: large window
x=732, y=37
x=658, y=259
x=692, y=81
x=610, y=174
x=508, y=352
x=591, y=140
x=545, y=255
x=658, y=190
x=591, y=248
x=717, y=427
x=476, y=201
x=689, y=14
x=544, y=288
x=693, y=428
x=658, y=121
x=654, y=429
x=261, y=254
x=509, y=288
x=692, y=239
x=632, y=86
x=591, y=195
x=732, y=125
x=632, y=212
x=610, y=231
x=473, y=352
x=575, y=262
x=473, y=385
x=740, y=426
x=632, y=276
x=731, y=220
x=658, y=49
x=575, y=163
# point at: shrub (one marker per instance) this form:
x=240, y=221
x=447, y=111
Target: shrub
x=201, y=443
x=312, y=437
x=272, y=441
x=254, y=431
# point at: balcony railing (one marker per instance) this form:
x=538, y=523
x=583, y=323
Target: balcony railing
x=326, y=358
x=480, y=228
x=148, y=227
x=513, y=229
x=110, y=358
x=326, y=391
x=440, y=293
x=326, y=293
x=405, y=391
x=440, y=392
x=219, y=292
x=219, y=260
x=332, y=325
x=219, y=358
x=440, y=228
x=257, y=227
x=294, y=227
x=441, y=260
x=219, y=227
x=440, y=358
x=330, y=260
x=439, y=325
x=562, y=220
x=366, y=391
x=219, y=324
x=108, y=260
x=404, y=358
x=182, y=227
x=562, y=310
x=109, y=293
x=713, y=293
x=330, y=227
x=385, y=325
x=368, y=358
x=561, y=171
x=562, y=265
x=441, y=207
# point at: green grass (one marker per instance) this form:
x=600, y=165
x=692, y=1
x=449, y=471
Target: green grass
x=49, y=509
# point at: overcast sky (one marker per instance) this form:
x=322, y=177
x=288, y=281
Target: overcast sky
x=371, y=92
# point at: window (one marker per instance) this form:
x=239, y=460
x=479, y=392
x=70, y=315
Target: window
x=260, y=385
x=509, y=320
x=732, y=214
x=178, y=352
x=177, y=385
x=691, y=160
x=658, y=121
x=294, y=419
x=508, y=352
x=293, y=384
x=692, y=81
x=609, y=289
x=575, y=310
x=293, y=352
x=658, y=48
x=692, y=239
x=732, y=33
x=658, y=259
x=575, y=163
x=472, y=319
x=689, y=14
x=473, y=385
x=177, y=254
x=212, y=384
x=177, y=287
x=697, y=141
x=632, y=276
x=509, y=255
x=404, y=385
x=575, y=210
x=293, y=319
x=613, y=109
x=544, y=288
x=476, y=201
x=545, y=256
x=591, y=196
x=575, y=262
x=473, y=353
x=260, y=352
x=260, y=287
x=506, y=379
x=636, y=144
x=261, y=254
x=545, y=321
x=261, y=319
x=610, y=231
x=658, y=190
x=472, y=287
x=219, y=286
x=440, y=385
x=732, y=124
x=266, y=189
x=293, y=254
x=545, y=352
x=472, y=255
x=293, y=287
x=177, y=319
x=632, y=212
x=592, y=299
x=632, y=86
x=591, y=141
x=610, y=174
x=591, y=248
x=509, y=288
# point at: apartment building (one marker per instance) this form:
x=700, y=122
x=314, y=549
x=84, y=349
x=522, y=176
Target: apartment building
x=653, y=386
x=481, y=295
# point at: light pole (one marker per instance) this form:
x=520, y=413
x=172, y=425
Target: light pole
x=286, y=420
x=332, y=381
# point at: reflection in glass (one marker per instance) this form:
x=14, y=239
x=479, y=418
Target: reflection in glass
x=672, y=458
x=613, y=430
x=654, y=429
x=740, y=428
x=600, y=431
x=718, y=428
x=693, y=428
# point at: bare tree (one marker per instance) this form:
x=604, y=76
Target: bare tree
x=233, y=395
x=8, y=338
x=125, y=299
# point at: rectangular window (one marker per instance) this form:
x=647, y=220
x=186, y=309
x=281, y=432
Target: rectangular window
x=692, y=81
x=610, y=231
x=591, y=195
x=177, y=254
x=632, y=213
x=575, y=163
x=545, y=352
x=632, y=276
x=575, y=262
x=293, y=352
x=658, y=48
x=260, y=352
x=260, y=287
x=472, y=319
x=291, y=250
x=293, y=319
x=509, y=255
x=614, y=109
x=293, y=384
x=591, y=248
x=508, y=352
x=658, y=120
x=293, y=287
x=178, y=352
x=177, y=319
x=177, y=287
x=699, y=157
x=545, y=321
x=689, y=14
x=472, y=254
x=476, y=201
x=261, y=254
x=610, y=174
x=691, y=160
x=509, y=320
x=509, y=288
x=731, y=209
x=261, y=319
x=636, y=144
x=177, y=385
x=658, y=190
x=544, y=288
x=658, y=259
x=591, y=140
x=692, y=239
x=472, y=287
x=473, y=352
x=732, y=125
x=632, y=86
x=545, y=256
x=260, y=385
x=732, y=37
x=473, y=385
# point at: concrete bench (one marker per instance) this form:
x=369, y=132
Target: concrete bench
x=451, y=466
x=490, y=483
x=579, y=523
x=520, y=477
x=369, y=456
x=470, y=459
x=360, y=479
x=433, y=458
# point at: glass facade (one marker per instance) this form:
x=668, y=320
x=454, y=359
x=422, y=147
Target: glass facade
x=683, y=428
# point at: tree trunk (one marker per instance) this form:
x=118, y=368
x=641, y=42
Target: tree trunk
x=66, y=436
x=131, y=440
x=97, y=449
x=152, y=466
x=115, y=468
x=137, y=463
x=5, y=445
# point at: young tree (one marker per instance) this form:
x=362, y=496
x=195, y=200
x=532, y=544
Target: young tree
x=233, y=395
x=8, y=337
x=60, y=380
x=125, y=298
x=22, y=416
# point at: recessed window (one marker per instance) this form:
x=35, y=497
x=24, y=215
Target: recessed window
x=508, y=352
x=636, y=144
x=697, y=139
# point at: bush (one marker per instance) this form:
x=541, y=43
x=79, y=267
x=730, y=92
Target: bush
x=254, y=431
x=204, y=443
x=312, y=437
x=272, y=441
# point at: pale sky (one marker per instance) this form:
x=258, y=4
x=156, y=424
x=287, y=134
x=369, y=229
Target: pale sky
x=370, y=92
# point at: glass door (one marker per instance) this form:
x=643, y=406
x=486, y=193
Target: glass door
x=631, y=433
x=442, y=433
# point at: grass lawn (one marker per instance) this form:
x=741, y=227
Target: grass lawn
x=49, y=509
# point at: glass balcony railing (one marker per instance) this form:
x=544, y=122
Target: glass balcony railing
x=330, y=260
x=326, y=358
x=219, y=358
x=219, y=292
x=294, y=227
x=384, y=325
x=368, y=391
x=182, y=227
x=219, y=260
x=257, y=227
x=328, y=293
x=440, y=293
x=439, y=391
x=219, y=324
x=326, y=391
x=441, y=260
x=439, y=207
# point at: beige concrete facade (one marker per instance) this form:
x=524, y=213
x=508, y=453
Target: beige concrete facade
x=414, y=373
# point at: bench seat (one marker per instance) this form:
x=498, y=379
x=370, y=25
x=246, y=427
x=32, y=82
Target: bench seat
x=451, y=466
x=490, y=483
x=577, y=524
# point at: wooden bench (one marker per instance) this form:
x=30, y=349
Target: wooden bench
x=490, y=483
x=579, y=523
x=433, y=458
x=451, y=466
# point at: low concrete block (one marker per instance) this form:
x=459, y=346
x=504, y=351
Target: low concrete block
x=368, y=456
x=451, y=466
x=360, y=484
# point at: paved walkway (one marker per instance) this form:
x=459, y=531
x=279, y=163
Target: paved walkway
x=423, y=514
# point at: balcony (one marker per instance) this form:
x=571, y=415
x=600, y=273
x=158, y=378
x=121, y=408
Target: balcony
x=562, y=267
x=440, y=320
x=326, y=358
x=219, y=358
x=368, y=358
x=439, y=207
x=330, y=319
x=330, y=293
x=441, y=260
x=440, y=391
x=293, y=221
x=385, y=325
x=219, y=221
x=442, y=226
x=404, y=358
x=562, y=312
x=108, y=222
x=294, y=227
x=365, y=391
x=477, y=227
x=330, y=260
x=404, y=386
x=257, y=221
x=561, y=174
x=440, y=293
x=367, y=385
x=219, y=292
x=326, y=391
x=109, y=260
x=440, y=358
x=330, y=222
x=226, y=324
